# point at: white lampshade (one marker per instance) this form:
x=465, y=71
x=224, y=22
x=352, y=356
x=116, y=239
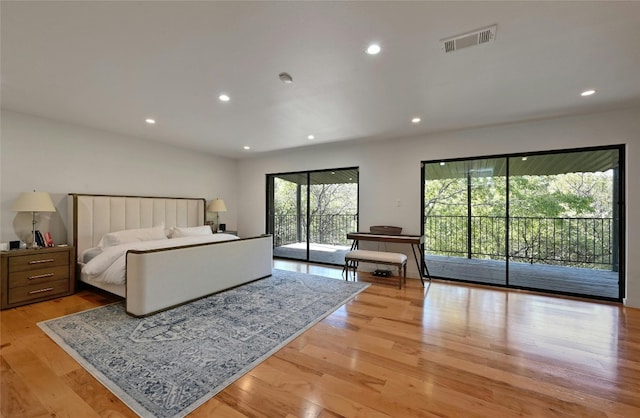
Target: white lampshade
x=33, y=202
x=217, y=205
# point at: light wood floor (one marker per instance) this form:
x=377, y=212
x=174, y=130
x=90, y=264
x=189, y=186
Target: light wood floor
x=449, y=350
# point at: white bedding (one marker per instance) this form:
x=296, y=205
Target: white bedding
x=110, y=265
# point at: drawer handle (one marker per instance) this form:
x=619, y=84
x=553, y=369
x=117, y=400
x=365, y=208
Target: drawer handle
x=47, y=289
x=48, y=260
x=40, y=276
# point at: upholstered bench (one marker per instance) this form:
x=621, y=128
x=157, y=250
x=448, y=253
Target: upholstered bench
x=352, y=258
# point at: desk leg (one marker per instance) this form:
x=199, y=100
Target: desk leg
x=422, y=265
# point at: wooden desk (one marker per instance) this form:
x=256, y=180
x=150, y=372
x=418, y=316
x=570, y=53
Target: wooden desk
x=416, y=242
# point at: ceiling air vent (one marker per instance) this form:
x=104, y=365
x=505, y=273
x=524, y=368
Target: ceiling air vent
x=473, y=38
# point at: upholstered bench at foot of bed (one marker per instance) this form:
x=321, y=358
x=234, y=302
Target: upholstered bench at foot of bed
x=352, y=258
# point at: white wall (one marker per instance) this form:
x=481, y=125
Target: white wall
x=390, y=170
x=61, y=158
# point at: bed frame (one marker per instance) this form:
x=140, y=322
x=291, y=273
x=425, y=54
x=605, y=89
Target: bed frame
x=160, y=279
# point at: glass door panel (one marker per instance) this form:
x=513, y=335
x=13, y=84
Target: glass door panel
x=333, y=212
x=287, y=220
x=563, y=233
x=464, y=219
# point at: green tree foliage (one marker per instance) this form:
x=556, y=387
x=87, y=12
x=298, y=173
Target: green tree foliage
x=563, y=218
x=332, y=212
x=284, y=197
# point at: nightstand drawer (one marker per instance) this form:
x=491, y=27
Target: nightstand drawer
x=43, y=275
x=38, y=261
x=38, y=291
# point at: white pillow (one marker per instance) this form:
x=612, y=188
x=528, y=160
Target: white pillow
x=178, y=232
x=88, y=254
x=132, y=235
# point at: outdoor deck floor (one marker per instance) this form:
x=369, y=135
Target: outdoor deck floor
x=319, y=253
x=580, y=281
x=583, y=281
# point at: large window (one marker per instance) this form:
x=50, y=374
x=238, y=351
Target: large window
x=548, y=221
x=310, y=213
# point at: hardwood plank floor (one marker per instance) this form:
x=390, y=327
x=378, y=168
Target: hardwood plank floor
x=447, y=350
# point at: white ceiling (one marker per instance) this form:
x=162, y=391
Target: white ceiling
x=110, y=65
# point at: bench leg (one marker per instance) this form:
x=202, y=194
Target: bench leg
x=404, y=274
x=347, y=265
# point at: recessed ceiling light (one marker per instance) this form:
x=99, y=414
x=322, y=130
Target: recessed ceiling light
x=415, y=120
x=246, y=147
x=224, y=98
x=150, y=121
x=311, y=137
x=373, y=49
x=587, y=93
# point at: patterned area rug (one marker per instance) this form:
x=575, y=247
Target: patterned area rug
x=168, y=364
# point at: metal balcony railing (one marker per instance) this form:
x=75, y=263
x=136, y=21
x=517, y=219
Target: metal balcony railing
x=329, y=229
x=577, y=242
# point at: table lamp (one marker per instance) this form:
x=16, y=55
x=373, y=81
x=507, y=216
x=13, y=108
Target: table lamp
x=33, y=202
x=217, y=206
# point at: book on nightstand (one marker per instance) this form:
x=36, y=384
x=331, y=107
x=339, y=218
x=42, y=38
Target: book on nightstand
x=39, y=239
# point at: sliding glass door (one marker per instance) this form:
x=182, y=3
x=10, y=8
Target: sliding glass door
x=310, y=213
x=547, y=221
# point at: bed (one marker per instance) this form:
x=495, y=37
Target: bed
x=169, y=272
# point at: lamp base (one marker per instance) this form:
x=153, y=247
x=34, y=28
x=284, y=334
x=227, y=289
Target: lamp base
x=34, y=244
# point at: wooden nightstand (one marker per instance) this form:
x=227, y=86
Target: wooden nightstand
x=35, y=275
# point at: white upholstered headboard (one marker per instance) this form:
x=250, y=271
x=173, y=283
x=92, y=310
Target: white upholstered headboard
x=92, y=216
